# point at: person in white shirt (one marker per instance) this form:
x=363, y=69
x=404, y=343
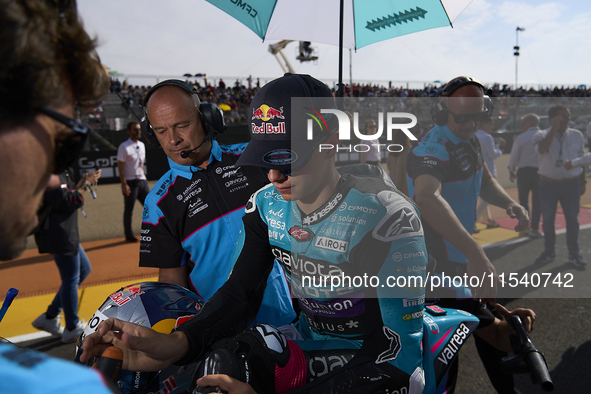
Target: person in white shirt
x=490, y=153
x=523, y=165
x=555, y=146
x=131, y=159
x=372, y=156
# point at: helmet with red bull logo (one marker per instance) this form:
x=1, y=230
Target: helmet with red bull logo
x=160, y=306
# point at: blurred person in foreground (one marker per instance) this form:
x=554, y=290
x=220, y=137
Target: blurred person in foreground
x=555, y=146
x=523, y=166
x=131, y=163
x=48, y=64
x=446, y=175
x=58, y=235
x=316, y=220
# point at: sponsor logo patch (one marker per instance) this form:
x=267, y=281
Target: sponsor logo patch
x=280, y=157
x=335, y=245
x=401, y=220
x=328, y=208
x=301, y=234
x=266, y=113
x=414, y=301
x=412, y=316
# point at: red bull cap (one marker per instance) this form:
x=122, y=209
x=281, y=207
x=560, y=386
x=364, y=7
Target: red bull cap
x=278, y=131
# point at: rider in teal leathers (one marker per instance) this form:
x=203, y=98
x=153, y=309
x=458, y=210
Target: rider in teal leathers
x=320, y=224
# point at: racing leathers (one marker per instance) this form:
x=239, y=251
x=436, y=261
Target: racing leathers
x=193, y=216
x=351, y=264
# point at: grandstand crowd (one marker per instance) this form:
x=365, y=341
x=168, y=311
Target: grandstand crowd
x=237, y=97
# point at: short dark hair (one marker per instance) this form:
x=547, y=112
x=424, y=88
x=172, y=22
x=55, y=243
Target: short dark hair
x=552, y=112
x=131, y=124
x=44, y=51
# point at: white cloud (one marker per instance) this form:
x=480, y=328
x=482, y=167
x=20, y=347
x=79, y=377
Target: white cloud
x=179, y=36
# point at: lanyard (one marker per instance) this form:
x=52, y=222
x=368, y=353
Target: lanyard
x=560, y=138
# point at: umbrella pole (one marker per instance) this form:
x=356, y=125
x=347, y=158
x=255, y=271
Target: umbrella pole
x=340, y=87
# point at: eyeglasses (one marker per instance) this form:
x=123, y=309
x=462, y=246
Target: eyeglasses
x=68, y=145
x=465, y=118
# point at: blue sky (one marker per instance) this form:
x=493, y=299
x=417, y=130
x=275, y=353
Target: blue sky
x=153, y=37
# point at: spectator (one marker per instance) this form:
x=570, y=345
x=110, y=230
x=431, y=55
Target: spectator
x=490, y=153
x=557, y=184
x=523, y=165
x=58, y=235
x=131, y=160
x=372, y=156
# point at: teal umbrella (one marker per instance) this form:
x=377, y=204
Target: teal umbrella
x=347, y=23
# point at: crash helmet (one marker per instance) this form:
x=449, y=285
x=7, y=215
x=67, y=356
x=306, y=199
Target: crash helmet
x=160, y=306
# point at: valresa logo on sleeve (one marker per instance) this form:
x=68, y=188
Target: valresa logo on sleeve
x=391, y=120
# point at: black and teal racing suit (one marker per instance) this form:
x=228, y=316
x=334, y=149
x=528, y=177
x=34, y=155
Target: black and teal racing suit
x=359, y=336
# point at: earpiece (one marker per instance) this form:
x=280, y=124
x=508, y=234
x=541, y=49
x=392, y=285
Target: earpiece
x=439, y=110
x=211, y=116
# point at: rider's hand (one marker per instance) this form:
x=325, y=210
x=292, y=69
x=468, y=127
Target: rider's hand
x=527, y=316
x=516, y=211
x=568, y=165
x=143, y=348
x=226, y=383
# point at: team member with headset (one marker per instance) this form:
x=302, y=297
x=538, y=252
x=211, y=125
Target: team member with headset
x=193, y=214
x=48, y=65
x=446, y=174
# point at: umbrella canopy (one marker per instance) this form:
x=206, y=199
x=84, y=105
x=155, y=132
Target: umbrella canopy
x=346, y=23
x=365, y=21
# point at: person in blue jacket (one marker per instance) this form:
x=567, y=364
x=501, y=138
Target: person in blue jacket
x=193, y=214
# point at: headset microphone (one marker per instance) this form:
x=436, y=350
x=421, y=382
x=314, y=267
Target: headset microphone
x=186, y=153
